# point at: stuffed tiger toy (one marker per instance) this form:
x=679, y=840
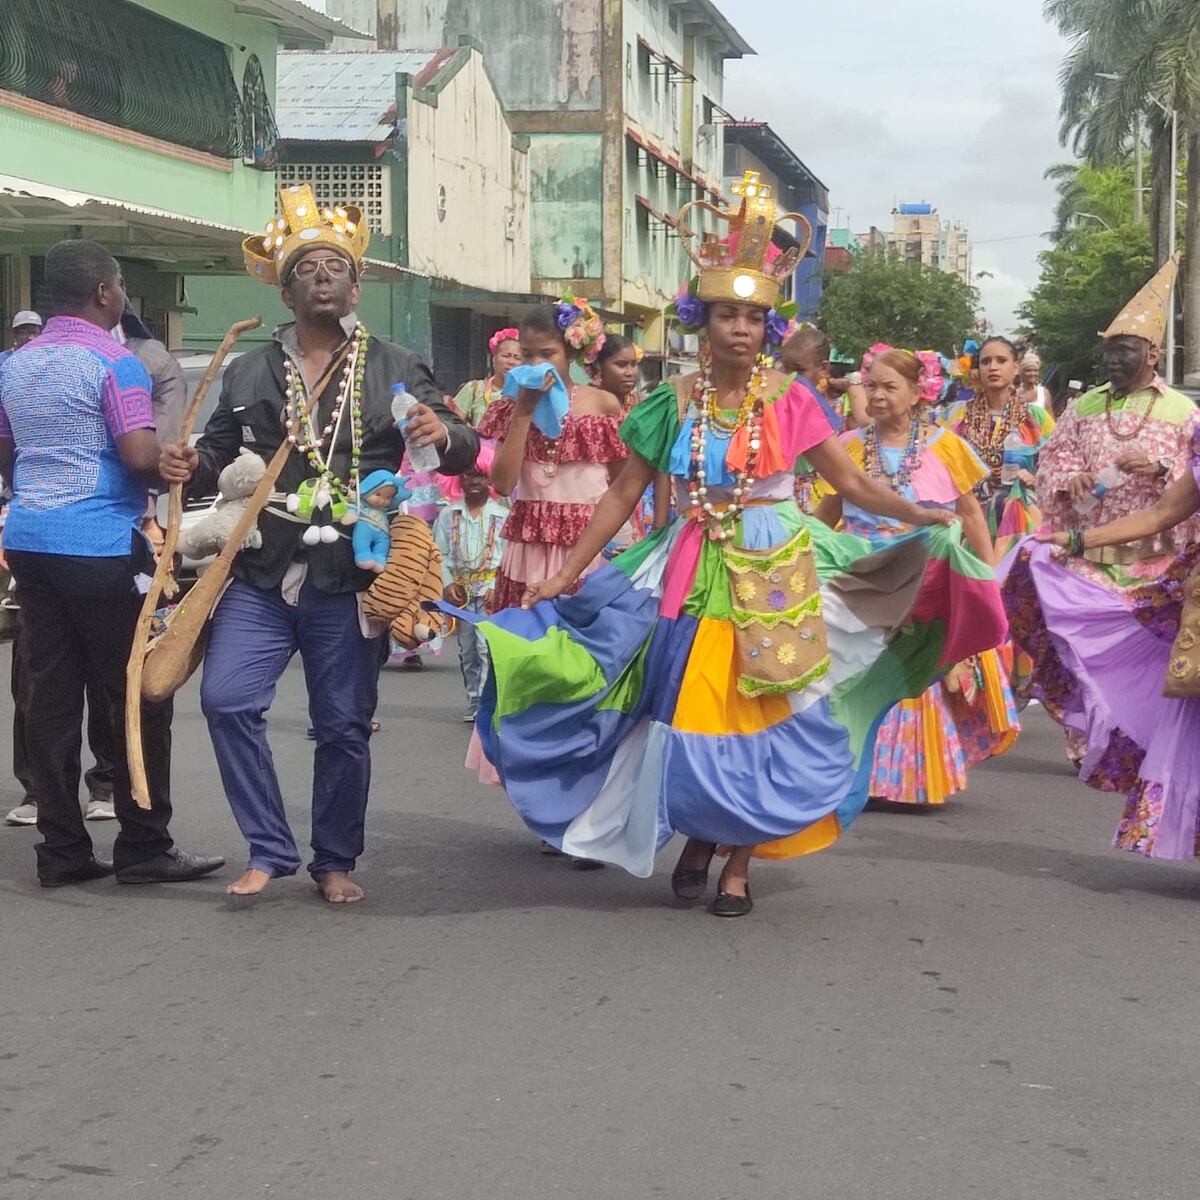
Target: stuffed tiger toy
x=413, y=574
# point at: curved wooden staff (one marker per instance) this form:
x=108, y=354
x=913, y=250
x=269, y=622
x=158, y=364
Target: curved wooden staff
x=166, y=562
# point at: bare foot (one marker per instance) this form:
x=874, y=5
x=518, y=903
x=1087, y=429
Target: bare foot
x=251, y=883
x=338, y=888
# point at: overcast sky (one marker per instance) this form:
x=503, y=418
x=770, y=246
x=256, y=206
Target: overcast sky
x=953, y=102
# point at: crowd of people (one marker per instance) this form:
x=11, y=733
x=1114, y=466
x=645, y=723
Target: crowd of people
x=739, y=607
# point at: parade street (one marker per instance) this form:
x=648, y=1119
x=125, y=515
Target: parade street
x=979, y=1001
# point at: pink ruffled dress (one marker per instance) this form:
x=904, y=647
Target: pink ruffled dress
x=560, y=485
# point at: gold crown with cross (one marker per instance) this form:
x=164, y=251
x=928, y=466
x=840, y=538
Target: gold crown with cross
x=744, y=266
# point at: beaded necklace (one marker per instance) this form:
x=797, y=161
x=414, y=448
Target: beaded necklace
x=876, y=468
x=550, y=466
x=300, y=411
x=468, y=566
x=1137, y=429
x=707, y=418
x=987, y=432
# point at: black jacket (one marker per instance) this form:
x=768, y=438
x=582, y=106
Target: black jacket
x=250, y=414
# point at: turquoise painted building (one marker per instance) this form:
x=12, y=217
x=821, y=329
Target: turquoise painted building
x=146, y=126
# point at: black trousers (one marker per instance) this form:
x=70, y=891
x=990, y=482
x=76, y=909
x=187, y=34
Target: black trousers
x=78, y=617
x=99, y=779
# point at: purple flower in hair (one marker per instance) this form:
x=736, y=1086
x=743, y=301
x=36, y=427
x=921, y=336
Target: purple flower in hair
x=690, y=310
x=567, y=314
x=777, y=327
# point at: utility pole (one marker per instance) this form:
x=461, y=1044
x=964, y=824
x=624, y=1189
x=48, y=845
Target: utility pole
x=1139, y=204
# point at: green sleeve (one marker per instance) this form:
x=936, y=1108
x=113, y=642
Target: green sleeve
x=651, y=428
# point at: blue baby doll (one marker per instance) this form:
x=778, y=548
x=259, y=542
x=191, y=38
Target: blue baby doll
x=379, y=498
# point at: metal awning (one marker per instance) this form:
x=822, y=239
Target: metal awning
x=36, y=215
x=300, y=21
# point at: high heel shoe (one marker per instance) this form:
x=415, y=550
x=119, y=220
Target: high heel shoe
x=690, y=886
x=726, y=905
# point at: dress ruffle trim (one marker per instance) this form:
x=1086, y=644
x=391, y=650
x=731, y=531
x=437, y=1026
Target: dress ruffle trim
x=593, y=438
x=550, y=522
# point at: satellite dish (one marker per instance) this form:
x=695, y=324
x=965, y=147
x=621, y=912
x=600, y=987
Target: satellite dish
x=707, y=130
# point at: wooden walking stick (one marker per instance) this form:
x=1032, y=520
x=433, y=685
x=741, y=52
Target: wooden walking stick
x=162, y=572
x=169, y=661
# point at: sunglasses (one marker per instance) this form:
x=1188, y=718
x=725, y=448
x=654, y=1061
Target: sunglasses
x=335, y=267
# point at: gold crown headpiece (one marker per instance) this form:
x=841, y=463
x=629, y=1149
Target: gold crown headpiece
x=741, y=267
x=303, y=225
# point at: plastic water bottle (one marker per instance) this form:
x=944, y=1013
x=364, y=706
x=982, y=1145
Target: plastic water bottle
x=1105, y=481
x=1014, y=457
x=423, y=458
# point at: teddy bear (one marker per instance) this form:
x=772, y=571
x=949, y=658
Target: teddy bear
x=379, y=497
x=236, y=484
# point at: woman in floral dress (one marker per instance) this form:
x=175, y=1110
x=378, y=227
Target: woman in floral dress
x=926, y=745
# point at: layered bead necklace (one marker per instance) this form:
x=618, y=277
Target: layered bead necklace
x=708, y=419
x=873, y=460
x=300, y=412
x=987, y=431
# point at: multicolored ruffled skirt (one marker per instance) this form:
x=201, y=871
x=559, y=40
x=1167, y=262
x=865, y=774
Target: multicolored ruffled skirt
x=1100, y=651
x=626, y=713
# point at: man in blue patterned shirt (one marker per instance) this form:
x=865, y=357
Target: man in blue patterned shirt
x=77, y=442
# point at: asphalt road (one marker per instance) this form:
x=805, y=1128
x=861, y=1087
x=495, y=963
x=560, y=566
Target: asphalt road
x=982, y=1002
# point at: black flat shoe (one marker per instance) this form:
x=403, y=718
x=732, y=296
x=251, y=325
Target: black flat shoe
x=95, y=868
x=726, y=905
x=690, y=886
x=172, y=866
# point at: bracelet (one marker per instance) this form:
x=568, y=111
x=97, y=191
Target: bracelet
x=1075, y=545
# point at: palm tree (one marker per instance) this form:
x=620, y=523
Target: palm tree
x=1130, y=62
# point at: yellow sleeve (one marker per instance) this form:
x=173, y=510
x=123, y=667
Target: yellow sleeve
x=966, y=468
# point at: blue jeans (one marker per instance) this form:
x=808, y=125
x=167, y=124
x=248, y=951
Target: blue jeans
x=254, y=637
x=473, y=654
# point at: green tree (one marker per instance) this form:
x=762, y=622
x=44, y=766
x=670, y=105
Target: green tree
x=1129, y=62
x=1085, y=279
x=883, y=298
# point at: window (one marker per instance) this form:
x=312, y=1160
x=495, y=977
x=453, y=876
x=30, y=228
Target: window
x=364, y=184
x=629, y=225
x=628, y=60
x=116, y=62
x=260, y=136
x=673, y=21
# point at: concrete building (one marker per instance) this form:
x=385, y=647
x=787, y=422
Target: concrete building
x=840, y=245
x=420, y=140
x=147, y=126
x=919, y=234
x=755, y=146
x=621, y=101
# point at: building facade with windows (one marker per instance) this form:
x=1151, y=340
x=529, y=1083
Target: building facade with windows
x=919, y=234
x=621, y=103
x=419, y=140
x=147, y=126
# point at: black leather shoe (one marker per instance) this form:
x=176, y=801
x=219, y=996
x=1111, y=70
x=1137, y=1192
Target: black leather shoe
x=94, y=868
x=725, y=905
x=172, y=866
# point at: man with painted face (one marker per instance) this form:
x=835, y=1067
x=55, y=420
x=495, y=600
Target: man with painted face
x=1135, y=423
x=326, y=384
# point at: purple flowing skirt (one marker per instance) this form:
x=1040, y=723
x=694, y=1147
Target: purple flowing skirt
x=1099, y=661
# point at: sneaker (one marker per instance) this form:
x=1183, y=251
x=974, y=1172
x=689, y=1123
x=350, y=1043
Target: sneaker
x=469, y=717
x=100, y=810
x=23, y=814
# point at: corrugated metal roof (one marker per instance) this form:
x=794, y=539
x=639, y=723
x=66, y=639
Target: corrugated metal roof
x=345, y=95
x=300, y=20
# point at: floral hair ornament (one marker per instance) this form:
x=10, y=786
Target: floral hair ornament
x=502, y=335
x=929, y=384
x=691, y=313
x=581, y=328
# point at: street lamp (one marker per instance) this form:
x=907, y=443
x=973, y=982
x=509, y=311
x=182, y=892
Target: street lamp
x=1093, y=217
x=1174, y=203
